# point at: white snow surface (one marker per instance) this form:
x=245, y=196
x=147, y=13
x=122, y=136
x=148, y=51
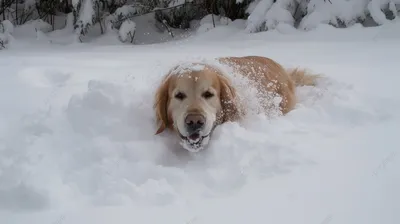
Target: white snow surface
x=77, y=143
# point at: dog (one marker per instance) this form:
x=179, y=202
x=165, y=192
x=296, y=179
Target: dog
x=192, y=100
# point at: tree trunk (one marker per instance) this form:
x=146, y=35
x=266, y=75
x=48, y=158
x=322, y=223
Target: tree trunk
x=16, y=12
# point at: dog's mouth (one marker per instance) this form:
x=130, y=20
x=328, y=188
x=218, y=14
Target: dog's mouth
x=194, y=142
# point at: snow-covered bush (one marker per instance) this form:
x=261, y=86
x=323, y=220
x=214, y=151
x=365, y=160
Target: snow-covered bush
x=268, y=14
x=257, y=11
x=85, y=17
x=211, y=21
x=215, y=19
x=6, y=30
x=340, y=13
x=45, y=9
x=126, y=12
x=178, y=14
x=280, y=12
x=6, y=27
x=100, y=16
x=30, y=28
x=375, y=8
x=39, y=25
x=127, y=31
x=307, y=14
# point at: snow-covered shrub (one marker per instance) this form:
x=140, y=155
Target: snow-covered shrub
x=6, y=30
x=393, y=8
x=27, y=12
x=173, y=3
x=210, y=21
x=338, y=13
x=46, y=9
x=112, y=5
x=205, y=27
x=30, y=28
x=127, y=31
x=178, y=14
x=376, y=7
x=256, y=19
x=307, y=14
x=86, y=16
x=6, y=27
x=106, y=21
x=87, y=13
x=18, y=12
x=218, y=20
x=267, y=14
x=126, y=12
x=38, y=25
x=260, y=15
x=3, y=40
x=280, y=12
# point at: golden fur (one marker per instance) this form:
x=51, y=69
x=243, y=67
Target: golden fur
x=267, y=75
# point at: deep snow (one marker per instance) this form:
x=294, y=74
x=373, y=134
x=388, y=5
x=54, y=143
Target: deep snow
x=77, y=141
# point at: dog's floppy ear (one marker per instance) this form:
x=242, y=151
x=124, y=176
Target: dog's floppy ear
x=161, y=106
x=230, y=110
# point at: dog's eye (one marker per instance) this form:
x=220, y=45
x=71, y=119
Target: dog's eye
x=180, y=96
x=207, y=94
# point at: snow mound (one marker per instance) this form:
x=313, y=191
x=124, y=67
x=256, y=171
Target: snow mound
x=210, y=21
x=330, y=12
x=6, y=27
x=127, y=30
x=278, y=14
x=30, y=28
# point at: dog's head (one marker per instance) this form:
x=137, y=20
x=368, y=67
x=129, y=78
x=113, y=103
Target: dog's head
x=192, y=102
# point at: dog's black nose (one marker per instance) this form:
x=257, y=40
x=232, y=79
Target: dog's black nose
x=194, y=122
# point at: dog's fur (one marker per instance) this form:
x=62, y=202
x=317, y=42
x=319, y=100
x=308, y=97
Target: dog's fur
x=221, y=103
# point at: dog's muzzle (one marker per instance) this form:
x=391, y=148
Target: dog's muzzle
x=194, y=123
x=195, y=142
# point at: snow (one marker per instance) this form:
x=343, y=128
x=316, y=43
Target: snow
x=126, y=10
x=75, y=3
x=173, y=3
x=218, y=20
x=6, y=31
x=278, y=13
x=86, y=14
x=268, y=14
x=330, y=11
x=77, y=141
x=30, y=28
x=127, y=30
x=257, y=15
x=6, y=27
x=374, y=7
x=207, y=22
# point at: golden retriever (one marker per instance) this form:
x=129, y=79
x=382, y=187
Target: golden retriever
x=193, y=100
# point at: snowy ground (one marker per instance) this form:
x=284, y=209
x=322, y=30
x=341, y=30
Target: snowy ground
x=77, y=143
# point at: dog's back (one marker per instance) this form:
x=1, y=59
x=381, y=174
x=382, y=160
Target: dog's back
x=270, y=76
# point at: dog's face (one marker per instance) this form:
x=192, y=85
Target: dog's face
x=192, y=103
